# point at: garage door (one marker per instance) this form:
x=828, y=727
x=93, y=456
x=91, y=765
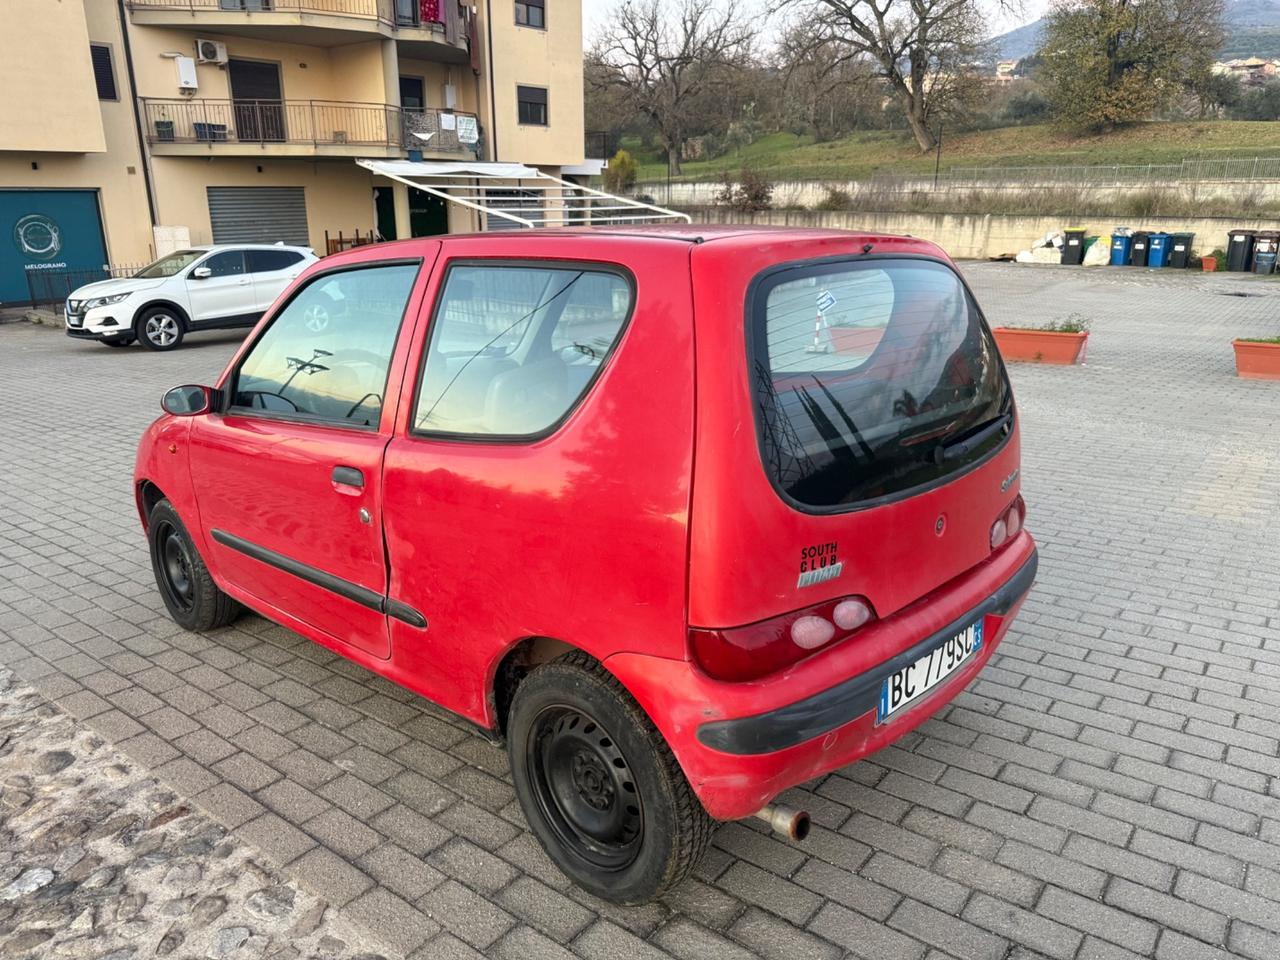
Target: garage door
x=259, y=215
x=53, y=237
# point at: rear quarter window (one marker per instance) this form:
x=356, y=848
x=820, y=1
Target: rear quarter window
x=869, y=378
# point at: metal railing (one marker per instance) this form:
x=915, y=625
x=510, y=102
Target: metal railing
x=1242, y=169
x=52, y=287
x=598, y=145
x=400, y=13
x=318, y=122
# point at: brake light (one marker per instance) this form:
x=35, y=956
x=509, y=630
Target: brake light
x=1008, y=523
x=758, y=649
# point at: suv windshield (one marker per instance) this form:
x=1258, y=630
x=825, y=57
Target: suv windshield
x=871, y=378
x=168, y=266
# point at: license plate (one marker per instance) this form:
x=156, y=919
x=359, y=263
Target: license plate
x=916, y=679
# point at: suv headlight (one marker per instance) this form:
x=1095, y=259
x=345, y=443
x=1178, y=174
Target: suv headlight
x=106, y=301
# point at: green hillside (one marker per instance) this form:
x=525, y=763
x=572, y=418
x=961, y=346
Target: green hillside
x=786, y=156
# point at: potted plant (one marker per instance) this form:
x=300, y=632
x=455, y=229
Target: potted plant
x=1257, y=359
x=1060, y=341
x=1210, y=263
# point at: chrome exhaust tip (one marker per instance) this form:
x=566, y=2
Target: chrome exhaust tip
x=785, y=820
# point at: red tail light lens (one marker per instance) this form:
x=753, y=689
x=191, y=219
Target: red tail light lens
x=758, y=649
x=1008, y=523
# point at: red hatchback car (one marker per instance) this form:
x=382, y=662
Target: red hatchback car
x=686, y=517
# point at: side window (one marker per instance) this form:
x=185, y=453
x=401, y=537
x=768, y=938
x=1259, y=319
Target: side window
x=531, y=13
x=267, y=261
x=531, y=105
x=513, y=349
x=226, y=264
x=326, y=354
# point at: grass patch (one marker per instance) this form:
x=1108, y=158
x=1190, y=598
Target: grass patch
x=1074, y=323
x=1275, y=340
x=787, y=156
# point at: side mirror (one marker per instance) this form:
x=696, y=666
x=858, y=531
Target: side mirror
x=189, y=400
x=201, y=273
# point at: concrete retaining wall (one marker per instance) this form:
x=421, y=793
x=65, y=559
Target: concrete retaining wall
x=972, y=236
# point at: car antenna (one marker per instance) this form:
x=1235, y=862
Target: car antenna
x=866, y=247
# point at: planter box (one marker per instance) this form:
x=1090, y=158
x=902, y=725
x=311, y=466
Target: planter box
x=1209, y=264
x=1257, y=361
x=1041, y=346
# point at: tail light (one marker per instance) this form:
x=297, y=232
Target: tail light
x=1008, y=523
x=758, y=649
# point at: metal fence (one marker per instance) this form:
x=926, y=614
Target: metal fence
x=1242, y=170
x=52, y=287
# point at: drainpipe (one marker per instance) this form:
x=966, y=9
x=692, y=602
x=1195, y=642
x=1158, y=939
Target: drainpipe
x=137, y=120
x=493, y=97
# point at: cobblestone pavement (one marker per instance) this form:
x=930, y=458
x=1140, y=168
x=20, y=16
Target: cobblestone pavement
x=1107, y=789
x=97, y=859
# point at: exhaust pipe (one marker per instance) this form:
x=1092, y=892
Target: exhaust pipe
x=785, y=820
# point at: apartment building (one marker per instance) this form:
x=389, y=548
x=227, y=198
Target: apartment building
x=131, y=127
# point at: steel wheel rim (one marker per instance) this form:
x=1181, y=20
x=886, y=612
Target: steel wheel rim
x=162, y=329
x=173, y=563
x=316, y=318
x=584, y=788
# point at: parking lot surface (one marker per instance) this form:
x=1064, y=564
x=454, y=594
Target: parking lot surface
x=1106, y=789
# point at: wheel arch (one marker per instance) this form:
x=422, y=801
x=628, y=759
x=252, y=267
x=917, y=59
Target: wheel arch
x=177, y=308
x=147, y=494
x=512, y=667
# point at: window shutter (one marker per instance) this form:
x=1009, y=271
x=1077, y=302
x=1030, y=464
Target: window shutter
x=103, y=72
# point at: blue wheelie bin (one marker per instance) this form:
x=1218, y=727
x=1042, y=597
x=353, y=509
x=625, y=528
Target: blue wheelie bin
x=1120, y=250
x=1158, y=249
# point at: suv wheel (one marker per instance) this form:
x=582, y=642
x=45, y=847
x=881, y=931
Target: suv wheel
x=599, y=785
x=160, y=328
x=192, y=598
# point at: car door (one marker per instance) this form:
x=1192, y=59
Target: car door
x=537, y=481
x=290, y=473
x=272, y=272
x=224, y=297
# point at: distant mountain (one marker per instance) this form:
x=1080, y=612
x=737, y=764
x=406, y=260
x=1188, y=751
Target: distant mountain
x=1253, y=29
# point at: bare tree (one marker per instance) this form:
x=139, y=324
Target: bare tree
x=921, y=48
x=662, y=57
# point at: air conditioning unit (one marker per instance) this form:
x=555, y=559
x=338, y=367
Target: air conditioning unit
x=211, y=51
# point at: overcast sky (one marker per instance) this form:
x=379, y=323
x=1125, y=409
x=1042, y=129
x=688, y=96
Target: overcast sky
x=595, y=13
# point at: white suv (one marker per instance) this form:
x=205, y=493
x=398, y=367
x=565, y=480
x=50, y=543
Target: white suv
x=202, y=288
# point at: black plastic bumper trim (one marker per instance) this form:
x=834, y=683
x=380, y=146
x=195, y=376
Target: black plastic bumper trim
x=825, y=711
x=325, y=581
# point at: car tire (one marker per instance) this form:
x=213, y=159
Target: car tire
x=123, y=342
x=599, y=785
x=192, y=598
x=160, y=328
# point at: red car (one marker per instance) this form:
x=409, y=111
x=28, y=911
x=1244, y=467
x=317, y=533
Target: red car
x=686, y=517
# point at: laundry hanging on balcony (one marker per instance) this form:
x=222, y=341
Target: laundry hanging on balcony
x=430, y=11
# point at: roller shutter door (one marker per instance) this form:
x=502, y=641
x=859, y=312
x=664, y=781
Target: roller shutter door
x=259, y=215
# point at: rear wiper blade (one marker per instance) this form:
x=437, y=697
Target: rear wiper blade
x=959, y=448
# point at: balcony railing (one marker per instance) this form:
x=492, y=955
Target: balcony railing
x=598, y=145
x=317, y=122
x=400, y=13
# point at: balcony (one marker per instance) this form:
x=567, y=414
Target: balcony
x=304, y=128
x=319, y=23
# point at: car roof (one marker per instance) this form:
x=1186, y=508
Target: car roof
x=246, y=246
x=724, y=239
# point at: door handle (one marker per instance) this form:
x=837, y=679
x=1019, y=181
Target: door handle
x=348, y=476
x=245, y=282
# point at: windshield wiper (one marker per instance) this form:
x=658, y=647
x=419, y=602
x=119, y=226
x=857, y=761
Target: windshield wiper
x=983, y=432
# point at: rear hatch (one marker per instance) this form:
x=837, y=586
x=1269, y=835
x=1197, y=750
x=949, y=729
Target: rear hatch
x=861, y=442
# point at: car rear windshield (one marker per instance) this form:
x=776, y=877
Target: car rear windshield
x=873, y=378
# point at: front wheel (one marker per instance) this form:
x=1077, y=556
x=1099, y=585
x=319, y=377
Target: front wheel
x=192, y=598
x=599, y=785
x=160, y=328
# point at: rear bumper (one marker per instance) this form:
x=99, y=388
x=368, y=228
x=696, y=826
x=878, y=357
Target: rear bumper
x=834, y=707
x=742, y=744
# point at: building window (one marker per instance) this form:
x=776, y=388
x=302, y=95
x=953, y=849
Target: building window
x=531, y=13
x=104, y=74
x=532, y=105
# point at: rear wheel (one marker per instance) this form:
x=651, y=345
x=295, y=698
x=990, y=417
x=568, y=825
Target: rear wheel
x=189, y=593
x=160, y=328
x=599, y=785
